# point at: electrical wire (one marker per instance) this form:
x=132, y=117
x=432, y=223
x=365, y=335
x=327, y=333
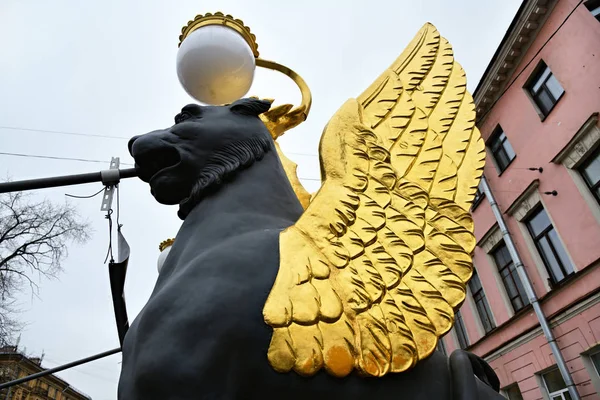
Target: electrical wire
x=58, y=158
x=530, y=61
x=85, y=197
x=59, y=361
x=93, y=375
x=109, y=252
x=95, y=161
x=63, y=132
x=107, y=136
x=119, y=225
x=295, y=153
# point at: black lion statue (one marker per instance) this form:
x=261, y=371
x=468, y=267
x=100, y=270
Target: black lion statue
x=202, y=335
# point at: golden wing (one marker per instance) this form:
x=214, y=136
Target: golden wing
x=372, y=272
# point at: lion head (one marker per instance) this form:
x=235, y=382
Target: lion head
x=207, y=144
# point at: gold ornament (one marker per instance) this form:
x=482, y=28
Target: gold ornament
x=165, y=243
x=219, y=18
x=279, y=119
x=373, y=271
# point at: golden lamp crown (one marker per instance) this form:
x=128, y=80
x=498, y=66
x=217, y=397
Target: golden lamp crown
x=165, y=243
x=219, y=18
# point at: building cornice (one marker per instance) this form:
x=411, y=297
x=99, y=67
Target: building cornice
x=490, y=239
x=32, y=367
x=517, y=40
x=583, y=141
x=521, y=205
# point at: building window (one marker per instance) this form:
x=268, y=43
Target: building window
x=545, y=89
x=555, y=385
x=479, y=196
x=510, y=277
x=590, y=170
x=513, y=393
x=549, y=245
x=461, y=332
x=596, y=361
x=502, y=151
x=483, y=308
x=594, y=7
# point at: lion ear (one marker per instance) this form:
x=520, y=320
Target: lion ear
x=250, y=106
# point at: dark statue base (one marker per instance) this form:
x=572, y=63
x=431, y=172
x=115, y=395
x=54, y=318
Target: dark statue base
x=202, y=335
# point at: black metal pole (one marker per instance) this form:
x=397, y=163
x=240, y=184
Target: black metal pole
x=65, y=180
x=59, y=368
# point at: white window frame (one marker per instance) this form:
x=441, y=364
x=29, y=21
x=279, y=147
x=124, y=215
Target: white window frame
x=594, y=11
x=592, y=371
x=455, y=335
x=475, y=311
x=478, y=200
x=504, y=391
x=539, y=377
x=521, y=209
x=576, y=152
x=552, y=395
x=471, y=305
x=488, y=243
x=528, y=88
x=493, y=138
x=594, y=365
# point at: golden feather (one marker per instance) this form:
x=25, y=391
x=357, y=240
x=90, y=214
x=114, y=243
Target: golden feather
x=371, y=274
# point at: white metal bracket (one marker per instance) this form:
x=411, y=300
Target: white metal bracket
x=110, y=178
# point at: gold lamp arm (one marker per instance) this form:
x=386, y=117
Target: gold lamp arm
x=280, y=119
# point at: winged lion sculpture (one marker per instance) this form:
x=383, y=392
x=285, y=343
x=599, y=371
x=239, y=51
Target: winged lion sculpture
x=261, y=297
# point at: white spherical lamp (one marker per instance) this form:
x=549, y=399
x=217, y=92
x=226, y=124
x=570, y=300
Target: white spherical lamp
x=216, y=59
x=165, y=248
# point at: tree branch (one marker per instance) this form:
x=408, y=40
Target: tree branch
x=34, y=238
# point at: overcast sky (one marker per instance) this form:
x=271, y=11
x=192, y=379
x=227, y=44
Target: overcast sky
x=108, y=68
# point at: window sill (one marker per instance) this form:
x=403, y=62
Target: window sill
x=570, y=279
x=528, y=308
x=564, y=281
x=524, y=310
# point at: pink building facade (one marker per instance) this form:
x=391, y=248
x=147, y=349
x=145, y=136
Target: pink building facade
x=538, y=105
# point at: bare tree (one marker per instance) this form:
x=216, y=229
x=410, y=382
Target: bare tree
x=33, y=243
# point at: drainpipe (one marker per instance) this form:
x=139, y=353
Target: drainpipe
x=560, y=361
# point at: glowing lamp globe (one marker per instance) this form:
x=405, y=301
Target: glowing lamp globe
x=216, y=59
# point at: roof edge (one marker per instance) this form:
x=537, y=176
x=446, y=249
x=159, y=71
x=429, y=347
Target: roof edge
x=519, y=36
